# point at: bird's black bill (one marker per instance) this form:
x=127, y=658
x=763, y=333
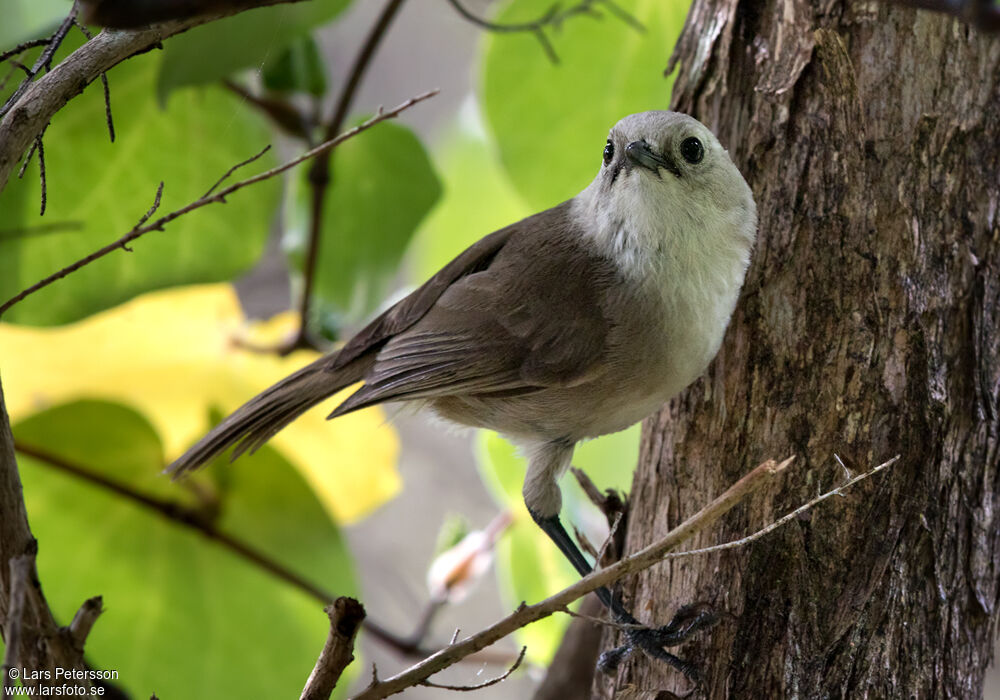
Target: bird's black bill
x=642, y=155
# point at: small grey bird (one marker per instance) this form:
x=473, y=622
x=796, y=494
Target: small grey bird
x=575, y=322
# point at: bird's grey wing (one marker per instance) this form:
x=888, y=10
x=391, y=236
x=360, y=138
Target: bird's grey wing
x=409, y=310
x=532, y=320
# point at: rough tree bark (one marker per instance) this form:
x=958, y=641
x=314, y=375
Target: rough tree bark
x=869, y=326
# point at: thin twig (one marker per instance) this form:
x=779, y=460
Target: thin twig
x=319, y=172
x=41, y=173
x=219, y=197
x=526, y=614
x=743, y=541
x=643, y=559
x=48, y=93
x=27, y=159
x=479, y=686
x=346, y=615
x=236, y=167
x=44, y=61
x=22, y=47
x=282, y=113
x=553, y=18
x=104, y=85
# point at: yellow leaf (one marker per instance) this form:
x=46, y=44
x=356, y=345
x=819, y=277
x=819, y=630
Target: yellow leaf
x=170, y=355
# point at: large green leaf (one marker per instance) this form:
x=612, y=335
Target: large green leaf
x=184, y=617
x=383, y=185
x=478, y=199
x=213, y=51
x=103, y=188
x=551, y=120
x=528, y=564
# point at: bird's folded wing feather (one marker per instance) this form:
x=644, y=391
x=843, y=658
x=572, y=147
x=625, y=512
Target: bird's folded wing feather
x=529, y=321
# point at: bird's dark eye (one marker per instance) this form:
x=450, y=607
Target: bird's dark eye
x=609, y=152
x=692, y=150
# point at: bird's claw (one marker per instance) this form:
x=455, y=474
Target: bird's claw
x=688, y=620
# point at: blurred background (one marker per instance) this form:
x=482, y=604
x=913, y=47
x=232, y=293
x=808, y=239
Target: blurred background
x=119, y=367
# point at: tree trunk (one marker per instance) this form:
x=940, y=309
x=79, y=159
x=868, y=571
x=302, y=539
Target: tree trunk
x=869, y=327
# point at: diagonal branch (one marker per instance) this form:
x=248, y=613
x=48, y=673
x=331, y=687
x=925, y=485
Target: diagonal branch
x=219, y=197
x=41, y=99
x=643, y=559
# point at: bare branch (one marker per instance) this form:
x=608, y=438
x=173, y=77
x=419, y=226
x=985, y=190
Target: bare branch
x=83, y=621
x=553, y=18
x=25, y=117
x=484, y=684
x=236, y=167
x=104, y=85
x=219, y=197
x=44, y=61
x=643, y=559
x=346, y=615
x=319, y=173
x=21, y=48
x=282, y=113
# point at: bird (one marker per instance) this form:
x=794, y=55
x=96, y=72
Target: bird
x=576, y=322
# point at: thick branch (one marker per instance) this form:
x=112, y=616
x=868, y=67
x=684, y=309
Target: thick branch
x=32, y=111
x=346, y=615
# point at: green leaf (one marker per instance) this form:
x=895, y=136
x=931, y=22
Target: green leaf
x=299, y=68
x=551, y=121
x=174, y=599
x=215, y=50
x=30, y=19
x=478, y=199
x=528, y=564
x=102, y=189
x=383, y=184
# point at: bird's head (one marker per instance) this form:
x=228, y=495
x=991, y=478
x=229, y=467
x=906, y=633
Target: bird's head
x=665, y=180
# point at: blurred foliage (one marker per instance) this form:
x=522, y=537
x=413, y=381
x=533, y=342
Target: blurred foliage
x=103, y=188
x=478, y=196
x=206, y=54
x=299, y=68
x=382, y=186
x=175, y=600
x=170, y=355
x=551, y=120
x=29, y=19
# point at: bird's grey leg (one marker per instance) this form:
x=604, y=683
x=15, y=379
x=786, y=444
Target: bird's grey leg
x=541, y=495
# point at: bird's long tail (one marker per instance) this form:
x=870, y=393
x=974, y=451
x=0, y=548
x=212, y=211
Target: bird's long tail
x=257, y=421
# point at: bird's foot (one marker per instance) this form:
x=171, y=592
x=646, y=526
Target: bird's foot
x=688, y=620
